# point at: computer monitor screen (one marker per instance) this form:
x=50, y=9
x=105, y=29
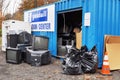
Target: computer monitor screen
x=40, y=42
x=13, y=55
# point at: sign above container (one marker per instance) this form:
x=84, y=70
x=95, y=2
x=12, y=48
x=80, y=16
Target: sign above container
x=87, y=19
x=42, y=18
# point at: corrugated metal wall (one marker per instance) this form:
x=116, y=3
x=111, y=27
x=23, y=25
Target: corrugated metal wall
x=108, y=21
x=105, y=15
x=68, y=4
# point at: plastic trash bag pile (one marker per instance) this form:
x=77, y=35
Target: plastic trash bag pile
x=80, y=61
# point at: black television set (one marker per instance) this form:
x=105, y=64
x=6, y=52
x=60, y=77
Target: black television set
x=13, y=55
x=40, y=43
x=24, y=38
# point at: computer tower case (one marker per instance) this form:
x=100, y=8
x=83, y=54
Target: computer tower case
x=12, y=40
x=13, y=55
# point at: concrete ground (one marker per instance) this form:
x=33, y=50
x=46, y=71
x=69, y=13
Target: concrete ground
x=53, y=71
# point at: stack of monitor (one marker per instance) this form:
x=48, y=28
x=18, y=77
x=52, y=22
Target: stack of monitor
x=37, y=54
x=16, y=46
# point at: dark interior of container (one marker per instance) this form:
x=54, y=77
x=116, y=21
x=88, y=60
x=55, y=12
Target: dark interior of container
x=67, y=22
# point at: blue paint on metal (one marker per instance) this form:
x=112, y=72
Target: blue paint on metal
x=68, y=4
x=104, y=20
x=105, y=15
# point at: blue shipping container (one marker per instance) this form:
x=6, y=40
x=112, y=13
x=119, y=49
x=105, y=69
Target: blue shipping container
x=104, y=19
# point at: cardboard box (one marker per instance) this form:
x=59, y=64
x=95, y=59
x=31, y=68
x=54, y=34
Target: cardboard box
x=112, y=47
x=112, y=39
x=113, y=50
x=78, y=40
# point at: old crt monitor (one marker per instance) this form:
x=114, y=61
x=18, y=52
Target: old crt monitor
x=40, y=43
x=13, y=55
x=24, y=38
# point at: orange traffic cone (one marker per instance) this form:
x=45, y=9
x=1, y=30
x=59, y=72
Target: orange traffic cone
x=105, y=68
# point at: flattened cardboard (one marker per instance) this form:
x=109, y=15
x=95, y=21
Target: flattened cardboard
x=112, y=46
x=112, y=39
x=78, y=40
x=113, y=50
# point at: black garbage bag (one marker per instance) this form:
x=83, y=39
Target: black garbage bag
x=71, y=62
x=80, y=61
x=71, y=67
x=89, y=61
x=83, y=49
x=75, y=54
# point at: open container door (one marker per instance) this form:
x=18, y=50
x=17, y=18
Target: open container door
x=69, y=31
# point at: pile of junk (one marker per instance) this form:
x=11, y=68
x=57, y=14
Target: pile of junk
x=79, y=61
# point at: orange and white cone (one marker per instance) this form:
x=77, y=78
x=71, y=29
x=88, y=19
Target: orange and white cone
x=105, y=68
